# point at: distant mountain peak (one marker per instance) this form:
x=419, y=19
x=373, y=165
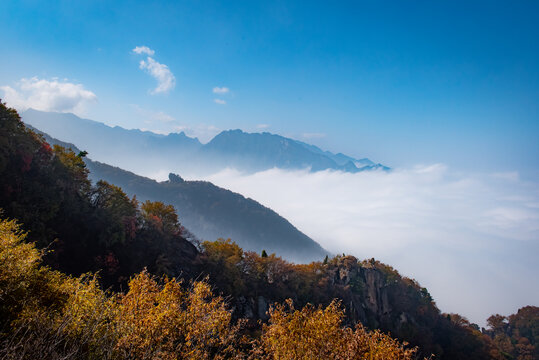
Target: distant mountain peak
x=175, y=179
x=146, y=152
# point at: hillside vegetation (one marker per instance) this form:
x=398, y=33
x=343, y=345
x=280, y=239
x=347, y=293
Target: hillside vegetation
x=170, y=299
x=212, y=212
x=49, y=315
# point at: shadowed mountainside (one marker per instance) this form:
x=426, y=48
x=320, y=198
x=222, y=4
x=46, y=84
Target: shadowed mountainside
x=211, y=212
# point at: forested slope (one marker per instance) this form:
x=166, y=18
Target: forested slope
x=211, y=212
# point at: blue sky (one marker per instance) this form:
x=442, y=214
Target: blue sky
x=402, y=82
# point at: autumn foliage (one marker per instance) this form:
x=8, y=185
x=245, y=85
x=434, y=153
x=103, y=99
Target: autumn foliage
x=48, y=315
x=517, y=335
x=317, y=333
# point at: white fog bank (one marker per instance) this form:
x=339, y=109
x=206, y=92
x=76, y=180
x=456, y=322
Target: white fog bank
x=471, y=239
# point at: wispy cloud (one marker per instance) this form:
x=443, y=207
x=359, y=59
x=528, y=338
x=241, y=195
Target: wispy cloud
x=221, y=90
x=262, y=126
x=160, y=132
x=165, y=78
x=219, y=101
x=463, y=236
x=48, y=95
x=143, y=50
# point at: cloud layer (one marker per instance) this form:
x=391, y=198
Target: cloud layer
x=472, y=240
x=160, y=72
x=48, y=95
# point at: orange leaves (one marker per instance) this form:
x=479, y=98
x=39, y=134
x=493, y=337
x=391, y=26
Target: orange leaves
x=169, y=322
x=18, y=259
x=226, y=250
x=147, y=316
x=375, y=345
x=310, y=333
x=165, y=215
x=56, y=316
x=317, y=333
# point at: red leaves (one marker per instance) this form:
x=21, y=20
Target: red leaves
x=130, y=226
x=109, y=263
x=26, y=160
x=45, y=148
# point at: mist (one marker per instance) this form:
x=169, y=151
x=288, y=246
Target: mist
x=471, y=239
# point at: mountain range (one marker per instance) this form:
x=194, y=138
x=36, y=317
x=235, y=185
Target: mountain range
x=211, y=212
x=148, y=153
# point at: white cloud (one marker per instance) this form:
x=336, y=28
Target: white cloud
x=48, y=95
x=221, y=90
x=262, y=126
x=471, y=239
x=143, y=50
x=219, y=101
x=313, y=135
x=165, y=79
x=160, y=132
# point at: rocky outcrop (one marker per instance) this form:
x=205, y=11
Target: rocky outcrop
x=369, y=294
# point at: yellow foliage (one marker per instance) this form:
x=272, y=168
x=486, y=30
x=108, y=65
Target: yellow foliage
x=89, y=314
x=223, y=249
x=45, y=309
x=168, y=322
x=227, y=260
x=163, y=216
x=54, y=316
x=310, y=333
x=17, y=259
x=375, y=345
x=317, y=333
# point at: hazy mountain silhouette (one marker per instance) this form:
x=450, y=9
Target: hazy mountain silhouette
x=148, y=153
x=211, y=212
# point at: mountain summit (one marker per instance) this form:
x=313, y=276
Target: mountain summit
x=148, y=153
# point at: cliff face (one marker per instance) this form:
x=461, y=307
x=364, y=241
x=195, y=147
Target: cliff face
x=371, y=293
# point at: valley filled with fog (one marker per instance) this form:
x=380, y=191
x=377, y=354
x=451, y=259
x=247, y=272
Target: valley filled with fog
x=471, y=239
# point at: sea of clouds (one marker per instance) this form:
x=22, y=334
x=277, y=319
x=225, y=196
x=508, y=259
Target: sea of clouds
x=471, y=239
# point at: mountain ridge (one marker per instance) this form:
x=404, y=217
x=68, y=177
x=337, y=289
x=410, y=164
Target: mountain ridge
x=211, y=212
x=177, y=152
